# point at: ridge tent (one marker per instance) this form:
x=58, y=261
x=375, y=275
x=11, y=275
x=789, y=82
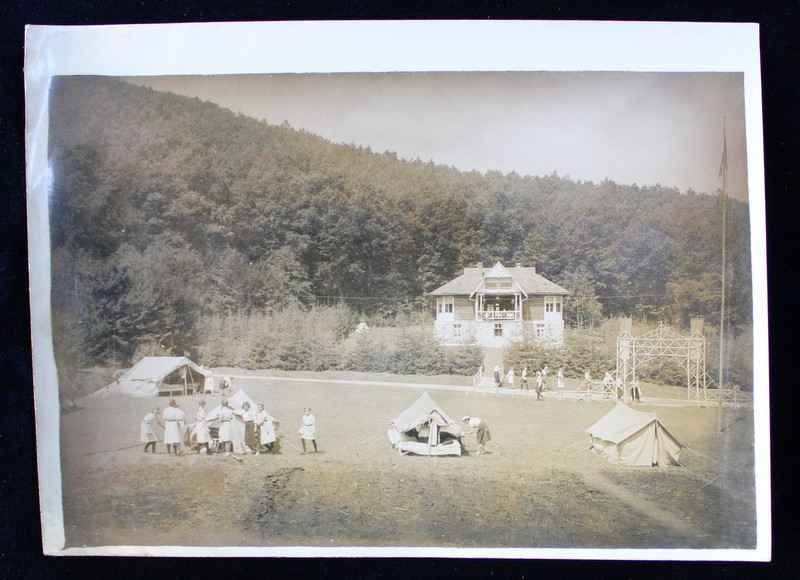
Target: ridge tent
x=631, y=437
x=425, y=429
x=235, y=402
x=148, y=377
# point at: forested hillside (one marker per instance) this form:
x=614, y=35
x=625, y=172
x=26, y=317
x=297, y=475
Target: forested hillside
x=166, y=208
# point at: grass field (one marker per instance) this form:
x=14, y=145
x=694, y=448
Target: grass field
x=539, y=486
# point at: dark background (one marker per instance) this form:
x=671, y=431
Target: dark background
x=20, y=532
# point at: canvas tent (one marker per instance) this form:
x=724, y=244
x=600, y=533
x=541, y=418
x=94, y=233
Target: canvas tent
x=425, y=429
x=149, y=376
x=631, y=437
x=235, y=402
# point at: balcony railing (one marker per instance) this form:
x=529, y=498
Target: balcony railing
x=499, y=315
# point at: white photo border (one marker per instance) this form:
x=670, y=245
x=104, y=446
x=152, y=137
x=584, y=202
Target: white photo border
x=379, y=46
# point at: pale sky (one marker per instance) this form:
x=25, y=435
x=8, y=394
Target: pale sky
x=642, y=128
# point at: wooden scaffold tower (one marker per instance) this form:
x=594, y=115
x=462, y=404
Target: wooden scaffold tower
x=664, y=342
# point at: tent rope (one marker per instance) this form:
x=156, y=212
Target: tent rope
x=724, y=472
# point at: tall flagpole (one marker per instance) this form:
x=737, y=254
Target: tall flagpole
x=723, y=175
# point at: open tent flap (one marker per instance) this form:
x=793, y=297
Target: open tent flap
x=146, y=376
x=422, y=412
x=425, y=420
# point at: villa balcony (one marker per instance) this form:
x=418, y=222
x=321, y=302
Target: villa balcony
x=498, y=315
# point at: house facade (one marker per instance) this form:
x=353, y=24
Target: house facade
x=497, y=306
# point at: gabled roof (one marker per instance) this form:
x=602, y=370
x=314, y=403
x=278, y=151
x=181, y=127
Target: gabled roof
x=235, y=402
x=526, y=278
x=156, y=368
x=143, y=378
x=421, y=412
x=621, y=423
x=631, y=437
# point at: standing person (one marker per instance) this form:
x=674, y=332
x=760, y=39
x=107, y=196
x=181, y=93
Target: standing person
x=481, y=430
x=539, y=385
x=308, y=430
x=250, y=429
x=225, y=418
x=266, y=425
x=510, y=378
x=146, y=433
x=620, y=390
x=608, y=384
x=200, y=428
x=587, y=381
x=524, y=378
x=497, y=374
x=560, y=379
x=545, y=372
x=173, y=425
x=636, y=394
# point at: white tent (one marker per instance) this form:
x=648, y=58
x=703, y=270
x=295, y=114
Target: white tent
x=235, y=402
x=632, y=437
x=425, y=429
x=147, y=377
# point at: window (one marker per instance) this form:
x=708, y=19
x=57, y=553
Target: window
x=498, y=329
x=456, y=331
x=552, y=304
x=539, y=330
x=446, y=305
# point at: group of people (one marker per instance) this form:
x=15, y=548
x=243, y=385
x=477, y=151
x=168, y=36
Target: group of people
x=173, y=425
x=616, y=386
x=540, y=379
x=260, y=429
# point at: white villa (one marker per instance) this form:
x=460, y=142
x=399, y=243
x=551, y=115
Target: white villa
x=496, y=306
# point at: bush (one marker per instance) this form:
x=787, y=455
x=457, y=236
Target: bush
x=416, y=354
x=366, y=355
x=583, y=350
x=318, y=339
x=463, y=360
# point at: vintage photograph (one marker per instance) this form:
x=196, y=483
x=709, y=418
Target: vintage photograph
x=503, y=311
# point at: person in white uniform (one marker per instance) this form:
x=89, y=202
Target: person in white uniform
x=308, y=430
x=250, y=429
x=225, y=418
x=174, y=422
x=266, y=430
x=200, y=428
x=146, y=433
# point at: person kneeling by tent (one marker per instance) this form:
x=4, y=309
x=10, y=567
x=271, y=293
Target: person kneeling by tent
x=481, y=430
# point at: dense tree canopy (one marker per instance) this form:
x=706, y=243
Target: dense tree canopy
x=165, y=208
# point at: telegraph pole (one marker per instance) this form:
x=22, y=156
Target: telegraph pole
x=723, y=176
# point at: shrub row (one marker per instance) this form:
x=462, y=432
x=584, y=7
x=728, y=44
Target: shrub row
x=322, y=339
